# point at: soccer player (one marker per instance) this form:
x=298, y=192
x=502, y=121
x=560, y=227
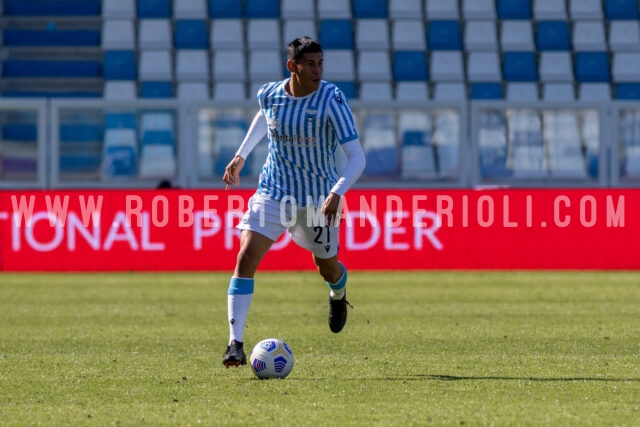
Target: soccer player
x=305, y=119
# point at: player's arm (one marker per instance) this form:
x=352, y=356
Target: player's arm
x=356, y=163
x=257, y=131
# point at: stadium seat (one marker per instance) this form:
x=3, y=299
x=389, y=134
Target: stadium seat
x=156, y=90
x=227, y=34
x=265, y=65
x=410, y=66
x=194, y=90
x=120, y=90
x=118, y=34
x=446, y=139
x=519, y=67
x=294, y=28
x=549, y=10
x=628, y=91
x=553, y=35
x=480, y=35
x=379, y=145
x=230, y=91
x=486, y=91
x=624, y=35
x=400, y=9
x=229, y=132
x=373, y=65
x=263, y=34
x=592, y=67
x=160, y=9
x=336, y=34
x=560, y=130
x=119, y=65
x=155, y=65
x=417, y=155
x=447, y=91
x=370, y=9
x=339, y=65
x=556, y=67
x=625, y=67
x=483, y=66
x=51, y=8
x=522, y=92
x=154, y=34
x=444, y=35
x=594, y=92
x=514, y=9
x=189, y=9
x=446, y=66
x=157, y=156
x=19, y=132
x=348, y=89
x=589, y=36
x=478, y=9
x=50, y=37
x=516, y=36
x=585, y=9
x=376, y=91
x=621, y=9
x=412, y=91
x=334, y=9
x=298, y=9
x=262, y=9
x=558, y=92
x=408, y=34
x=373, y=34
x=442, y=9
x=225, y=9
x=192, y=64
x=120, y=156
x=120, y=121
x=492, y=146
x=190, y=34
x=229, y=65
x=118, y=9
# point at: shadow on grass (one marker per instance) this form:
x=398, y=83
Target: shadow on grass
x=541, y=379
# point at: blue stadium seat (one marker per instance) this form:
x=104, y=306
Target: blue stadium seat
x=486, y=91
x=225, y=9
x=370, y=9
x=444, y=35
x=336, y=34
x=120, y=65
x=592, y=67
x=553, y=35
x=410, y=66
x=22, y=132
x=191, y=34
x=159, y=9
x=156, y=90
x=120, y=121
x=628, y=91
x=263, y=9
x=348, y=88
x=82, y=132
x=51, y=8
x=621, y=9
x=23, y=37
x=44, y=68
x=519, y=67
x=514, y=9
x=51, y=94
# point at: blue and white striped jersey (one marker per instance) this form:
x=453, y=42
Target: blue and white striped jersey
x=303, y=135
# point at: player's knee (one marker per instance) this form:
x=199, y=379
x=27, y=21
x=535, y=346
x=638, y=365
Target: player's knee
x=330, y=270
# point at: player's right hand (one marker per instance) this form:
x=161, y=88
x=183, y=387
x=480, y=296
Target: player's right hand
x=232, y=171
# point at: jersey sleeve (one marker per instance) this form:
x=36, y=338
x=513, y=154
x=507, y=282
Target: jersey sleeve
x=341, y=118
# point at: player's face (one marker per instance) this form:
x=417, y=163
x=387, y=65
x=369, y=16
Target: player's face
x=306, y=73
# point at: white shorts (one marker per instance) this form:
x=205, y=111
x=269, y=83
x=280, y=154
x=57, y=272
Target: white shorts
x=271, y=218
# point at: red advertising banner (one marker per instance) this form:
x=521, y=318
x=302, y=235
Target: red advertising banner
x=194, y=230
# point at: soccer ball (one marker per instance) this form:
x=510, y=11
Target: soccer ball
x=271, y=358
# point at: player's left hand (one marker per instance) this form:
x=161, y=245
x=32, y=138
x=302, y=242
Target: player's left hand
x=232, y=171
x=330, y=208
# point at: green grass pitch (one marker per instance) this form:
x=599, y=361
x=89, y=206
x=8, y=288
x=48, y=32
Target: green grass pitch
x=423, y=348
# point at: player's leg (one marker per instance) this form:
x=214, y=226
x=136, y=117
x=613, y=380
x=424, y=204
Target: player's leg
x=323, y=243
x=261, y=227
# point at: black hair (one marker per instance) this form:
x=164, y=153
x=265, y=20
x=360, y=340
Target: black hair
x=302, y=45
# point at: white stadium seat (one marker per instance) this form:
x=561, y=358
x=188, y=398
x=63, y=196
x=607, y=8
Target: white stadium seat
x=193, y=90
x=372, y=34
x=265, y=65
x=412, y=91
x=118, y=9
x=478, y=9
x=408, y=34
x=442, y=9
x=480, y=35
x=585, y=9
x=118, y=34
x=549, y=10
x=446, y=66
x=405, y=9
x=594, y=92
x=624, y=35
x=334, y=9
x=625, y=67
x=263, y=34
x=155, y=65
x=230, y=91
x=154, y=34
x=298, y=9
x=376, y=91
x=589, y=36
x=227, y=34
x=189, y=9
x=120, y=90
x=192, y=64
x=229, y=65
x=483, y=67
x=558, y=92
x=556, y=67
x=339, y=65
x=294, y=28
x=450, y=92
x=516, y=36
x=522, y=92
x=374, y=65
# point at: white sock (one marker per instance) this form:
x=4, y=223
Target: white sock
x=238, y=309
